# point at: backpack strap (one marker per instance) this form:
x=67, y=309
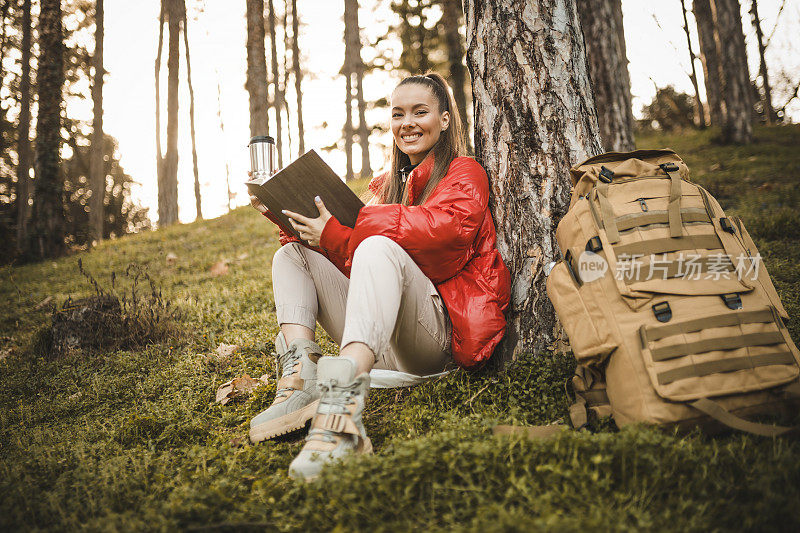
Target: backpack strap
x=607, y=213
x=674, y=206
x=723, y=416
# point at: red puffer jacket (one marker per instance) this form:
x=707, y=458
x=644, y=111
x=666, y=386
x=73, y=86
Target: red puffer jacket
x=451, y=237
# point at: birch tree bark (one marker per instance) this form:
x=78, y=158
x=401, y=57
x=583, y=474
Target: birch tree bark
x=256, y=82
x=198, y=203
x=298, y=77
x=168, y=179
x=700, y=115
x=277, y=99
x=604, y=36
x=47, y=217
x=347, y=70
x=737, y=102
x=357, y=70
x=766, y=96
x=451, y=18
x=24, y=130
x=97, y=166
x=710, y=59
x=534, y=119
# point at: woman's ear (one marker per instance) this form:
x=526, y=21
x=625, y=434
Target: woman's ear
x=444, y=120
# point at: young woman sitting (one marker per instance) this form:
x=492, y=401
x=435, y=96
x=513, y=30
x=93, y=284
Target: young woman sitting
x=416, y=283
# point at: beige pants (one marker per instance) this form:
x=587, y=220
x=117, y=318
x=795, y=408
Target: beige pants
x=387, y=304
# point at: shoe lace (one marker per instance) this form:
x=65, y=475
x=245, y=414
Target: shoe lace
x=288, y=360
x=335, y=398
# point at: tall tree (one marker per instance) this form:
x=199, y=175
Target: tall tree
x=604, y=36
x=700, y=115
x=97, y=175
x=256, y=82
x=534, y=119
x=357, y=70
x=451, y=18
x=298, y=76
x=197, y=198
x=766, y=94
x=710, y=58
x=168, y=177
x=277, y=99
x=347, y=70
x=737, y=95
x=47, y=219
x=23, y=129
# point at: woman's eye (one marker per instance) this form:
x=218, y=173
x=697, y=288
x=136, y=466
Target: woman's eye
x=421, y=112
x=396, y=115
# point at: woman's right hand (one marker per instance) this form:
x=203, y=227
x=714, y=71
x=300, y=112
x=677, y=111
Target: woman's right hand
x=254, y=201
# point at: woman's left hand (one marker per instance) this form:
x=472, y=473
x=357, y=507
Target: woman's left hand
x=310, y=229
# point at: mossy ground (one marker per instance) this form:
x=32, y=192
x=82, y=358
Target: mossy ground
x=132, y=440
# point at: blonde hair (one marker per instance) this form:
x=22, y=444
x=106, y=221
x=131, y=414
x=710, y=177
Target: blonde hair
x=451, y=144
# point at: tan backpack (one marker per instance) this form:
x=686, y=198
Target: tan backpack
x=670, y=314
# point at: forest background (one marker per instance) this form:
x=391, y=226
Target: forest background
x=657, y=51
x=111, y=354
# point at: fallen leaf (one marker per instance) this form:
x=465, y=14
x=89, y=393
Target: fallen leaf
x=226, y=350
x=5, y=353
x=220, y=268
x=171, y=258
x=242, y=256
x=235, y=388
x=43, y=303
x=265, y=378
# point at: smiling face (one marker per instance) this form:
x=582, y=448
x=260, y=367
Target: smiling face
x=417, y=121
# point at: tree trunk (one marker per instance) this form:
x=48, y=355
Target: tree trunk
x=737, y=103
x=256, y=83
x=451, y=17
x=98, y=170
x=47, y=218
x=766, y=96
x=168, y=184
x=222, y=137
x=357, y=69
x=24, y=130
x=277, y=100
x=347, y=70
x=197, y=198
x=286, y=72
x=159, y=154
x=604, y=36
x=298, y=76
x=700, y=115
x=710, y=58
x=534, y=119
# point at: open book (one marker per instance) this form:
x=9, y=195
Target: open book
x=294, y=187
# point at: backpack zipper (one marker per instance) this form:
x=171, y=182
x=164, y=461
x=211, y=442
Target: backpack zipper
x=643, y=204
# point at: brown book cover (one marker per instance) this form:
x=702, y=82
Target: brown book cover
x=294, y=187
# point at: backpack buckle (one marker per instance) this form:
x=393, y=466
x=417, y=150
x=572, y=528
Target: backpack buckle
x=594, y=245
x=726, y=225
x=606, y=175
x=732, y=300
x=668, y=167
x=662, y=311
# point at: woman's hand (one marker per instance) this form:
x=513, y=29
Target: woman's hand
x=310, y=229
x=254, y=201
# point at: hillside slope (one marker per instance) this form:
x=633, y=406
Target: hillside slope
x=133, y=440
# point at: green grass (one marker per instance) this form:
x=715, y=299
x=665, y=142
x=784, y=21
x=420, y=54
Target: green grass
x=132, y=440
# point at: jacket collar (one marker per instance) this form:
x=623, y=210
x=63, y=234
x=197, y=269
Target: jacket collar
x=419, y=178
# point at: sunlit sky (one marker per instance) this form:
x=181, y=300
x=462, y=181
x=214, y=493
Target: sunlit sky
x=217, y=33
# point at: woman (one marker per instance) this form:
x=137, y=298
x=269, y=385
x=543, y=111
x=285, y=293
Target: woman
x=417, y=282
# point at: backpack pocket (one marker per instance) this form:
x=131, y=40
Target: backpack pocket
x=715, y=355
x=590, y=335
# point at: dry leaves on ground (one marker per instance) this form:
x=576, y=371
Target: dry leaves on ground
x=171, y=258
x=43, y=303
x=241, y=386
x=220, y=268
